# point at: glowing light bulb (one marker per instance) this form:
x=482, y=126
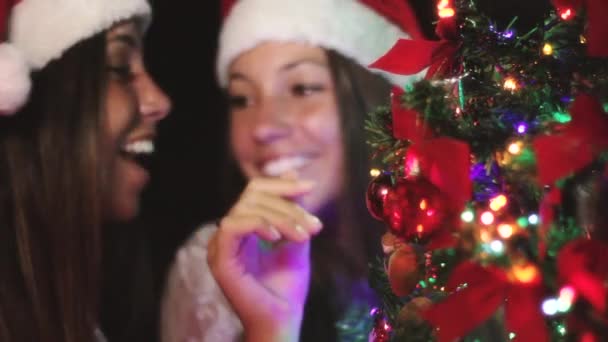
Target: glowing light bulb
x=505, y=230
x=522, y=222
x=525, y=273
x=549, y=306
x=467, y=216
x=547, y=49
x=497, y=246
x=562, y=117
x=533, y=219
x=446, y=13
x=566, y=298
x=566, y=13
x=487, y=218
x=498, y=202
x=420, y=228
x=423, y=204
x=567, y=293
x=444, y=9
x=443, y=4
x=510, y=84
x=514, y=148
x=508, y=34
x=522, y=128
x=375, y=172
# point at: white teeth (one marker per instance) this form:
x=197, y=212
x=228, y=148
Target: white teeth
x=140, y=147
x=277, y=167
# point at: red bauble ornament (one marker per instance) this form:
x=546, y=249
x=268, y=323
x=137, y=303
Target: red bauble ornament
x=377, y=191
x=414, y=209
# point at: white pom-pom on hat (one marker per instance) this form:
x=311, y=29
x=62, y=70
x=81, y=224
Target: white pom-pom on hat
x=39, y=31
x=15, y=80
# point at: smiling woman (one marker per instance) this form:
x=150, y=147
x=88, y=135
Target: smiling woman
x=130, y=125
x=289, y=259
x=285, y=118
x=67, y=156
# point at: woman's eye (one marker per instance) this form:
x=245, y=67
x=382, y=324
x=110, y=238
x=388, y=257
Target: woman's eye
x=237, y=101
x=124, y=73
x=306, y=89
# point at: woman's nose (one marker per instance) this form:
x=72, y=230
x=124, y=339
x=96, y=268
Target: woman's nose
x=272, y=122
x=154, y=104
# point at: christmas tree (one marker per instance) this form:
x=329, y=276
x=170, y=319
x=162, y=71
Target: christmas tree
x=493, y=180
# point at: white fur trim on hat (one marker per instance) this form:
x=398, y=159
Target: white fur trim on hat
x=43, y=29
x=346, y=26
x=15, y=82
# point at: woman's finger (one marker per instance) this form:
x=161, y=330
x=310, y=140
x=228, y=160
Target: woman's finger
x=279, y=210
x=288, y=188
x=289, y=227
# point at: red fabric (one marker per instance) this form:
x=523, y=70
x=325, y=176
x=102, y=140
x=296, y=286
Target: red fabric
x=399, y=13
x=576, y=146
x=408, y=57
x=226, y=6
x=445, y=162
x=597, y=26
x=407, y=123
x=487, y=289
x=582, y=264
x=5, y=8
x=411, y=56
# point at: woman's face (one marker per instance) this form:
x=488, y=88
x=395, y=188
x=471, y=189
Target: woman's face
x=134, y=106
x=284, y=117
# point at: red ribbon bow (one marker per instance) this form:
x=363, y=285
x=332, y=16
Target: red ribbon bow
x=581, y=265
x=487, y=289
x=577, y=145
x=597, y=26
x=411, y=56
x=445, y=162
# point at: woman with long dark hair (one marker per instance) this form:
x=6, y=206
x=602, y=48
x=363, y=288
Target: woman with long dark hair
x=69, y=156
x=289, y=259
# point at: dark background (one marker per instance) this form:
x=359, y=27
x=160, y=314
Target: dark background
x=189, y=183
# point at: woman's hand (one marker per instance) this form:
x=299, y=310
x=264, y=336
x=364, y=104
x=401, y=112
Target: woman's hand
x=260, y=257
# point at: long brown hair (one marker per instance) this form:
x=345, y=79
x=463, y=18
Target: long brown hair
x=351, y=238
x=50, y=201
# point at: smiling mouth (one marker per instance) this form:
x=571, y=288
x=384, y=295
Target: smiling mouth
x=279, y=166
x=139, y=151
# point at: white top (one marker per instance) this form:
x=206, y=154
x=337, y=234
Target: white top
x=193, y=306
x=195, y=309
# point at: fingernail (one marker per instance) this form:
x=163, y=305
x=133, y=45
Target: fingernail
x=301, y=230
x=314, y=220
x=274, y=233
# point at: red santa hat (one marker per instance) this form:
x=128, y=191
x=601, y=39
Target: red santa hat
x=362, y=30
x=35, y=32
